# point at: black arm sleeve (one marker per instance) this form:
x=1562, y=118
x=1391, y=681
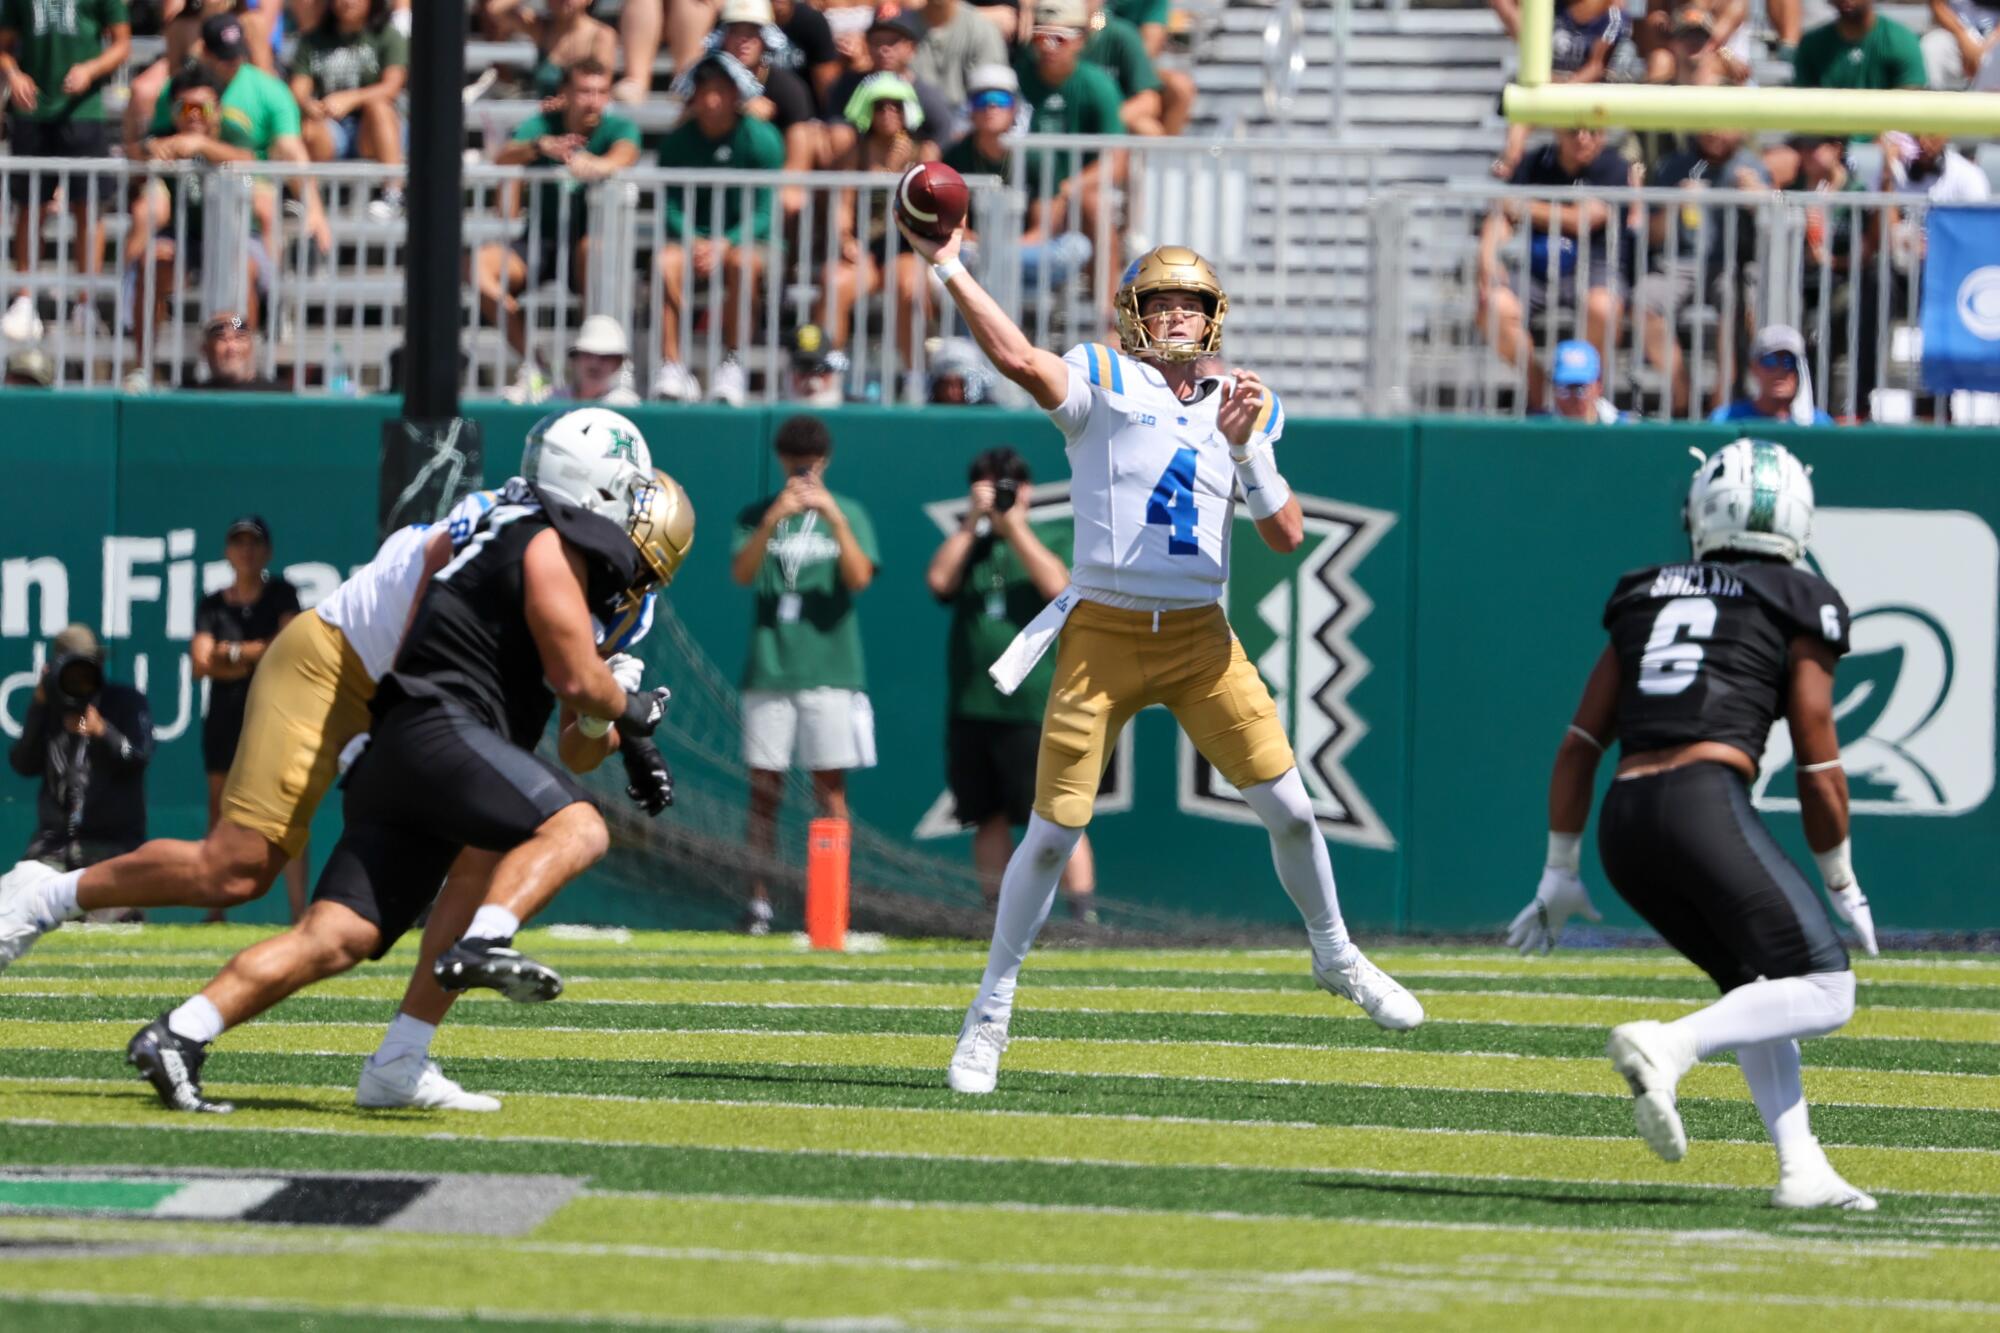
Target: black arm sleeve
x=29, y=754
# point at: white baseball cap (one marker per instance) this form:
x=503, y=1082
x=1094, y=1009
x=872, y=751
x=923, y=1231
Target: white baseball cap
x=601, y=335
x=746, y=11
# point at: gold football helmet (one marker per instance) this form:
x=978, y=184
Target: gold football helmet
x=662, y=527
x=1169, y=268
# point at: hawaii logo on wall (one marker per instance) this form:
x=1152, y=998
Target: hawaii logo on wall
x=1305, y=608
x=1913, y=699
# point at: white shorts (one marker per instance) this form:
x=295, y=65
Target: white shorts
x=822, y=728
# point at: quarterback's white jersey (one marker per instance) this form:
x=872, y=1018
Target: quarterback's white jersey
x=1151, y=483
x=372, y=608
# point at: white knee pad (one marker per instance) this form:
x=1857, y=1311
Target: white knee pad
x=1836, y=990
x=1049, y=843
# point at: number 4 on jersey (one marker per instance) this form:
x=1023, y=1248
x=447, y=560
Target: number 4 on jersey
x=1172, y=505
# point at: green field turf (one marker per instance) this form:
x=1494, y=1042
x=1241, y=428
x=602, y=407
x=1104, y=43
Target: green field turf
x=731, y=1132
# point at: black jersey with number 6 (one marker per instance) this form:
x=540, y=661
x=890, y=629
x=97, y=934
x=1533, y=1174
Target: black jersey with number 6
x=1704, y=649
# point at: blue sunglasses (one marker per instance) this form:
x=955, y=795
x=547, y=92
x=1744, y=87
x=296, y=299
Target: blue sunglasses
x=988, y=100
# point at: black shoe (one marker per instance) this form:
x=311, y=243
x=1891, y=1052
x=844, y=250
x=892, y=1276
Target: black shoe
x=1083, y=910
x=495, y=965
x=172, y=1064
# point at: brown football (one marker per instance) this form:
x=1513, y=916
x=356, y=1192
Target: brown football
x=931, y=200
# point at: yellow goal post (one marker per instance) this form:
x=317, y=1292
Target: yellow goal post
x=1533, y=100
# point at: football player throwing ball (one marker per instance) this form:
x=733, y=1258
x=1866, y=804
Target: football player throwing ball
x=1159, y=454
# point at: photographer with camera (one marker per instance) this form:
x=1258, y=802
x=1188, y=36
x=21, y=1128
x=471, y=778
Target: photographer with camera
x=996, y=575
x=88, y=740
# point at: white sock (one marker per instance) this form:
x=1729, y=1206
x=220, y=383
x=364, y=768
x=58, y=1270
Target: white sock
x=405, y=1035
x=1298, y=849
x=196, y=1020
x=1027, y=892
x=59, y=896
x=492, y=923
x=1782, y=1010
x=1771, y=1069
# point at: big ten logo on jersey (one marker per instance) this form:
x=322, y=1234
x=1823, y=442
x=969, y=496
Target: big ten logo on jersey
x=1913, y=699
x=145, y=616
x=1296, y=617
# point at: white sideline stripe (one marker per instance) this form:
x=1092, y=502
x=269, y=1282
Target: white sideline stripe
x=1013, y=1041
x=206, y=1123
x=1126, y=1117
x=1166, y=991
x=1251, y=1281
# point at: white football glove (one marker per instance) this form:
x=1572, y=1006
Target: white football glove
x=627, y=670
x=1558, y=897
x=1852, y=907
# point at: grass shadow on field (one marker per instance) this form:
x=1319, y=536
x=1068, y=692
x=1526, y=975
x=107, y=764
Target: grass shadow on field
x=141, y=1097
x=1585, y=1198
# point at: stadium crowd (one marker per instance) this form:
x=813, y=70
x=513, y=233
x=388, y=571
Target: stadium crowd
x=1643, y=274
x=716, y=84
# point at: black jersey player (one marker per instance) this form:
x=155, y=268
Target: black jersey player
x=1705, y=657
x=508, y=628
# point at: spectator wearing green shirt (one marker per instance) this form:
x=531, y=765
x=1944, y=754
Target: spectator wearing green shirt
x=591, y=145
x=54, y=63
x=1068, y=95
x=1116, y=47
x=347, y=76
x=807, y=553
x=1047, y=262
x=1859, y=49
x=715, y=135
x=995, y=574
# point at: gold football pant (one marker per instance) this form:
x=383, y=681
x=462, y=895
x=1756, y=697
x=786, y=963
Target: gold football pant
x=1112, y=663
x=308, y=699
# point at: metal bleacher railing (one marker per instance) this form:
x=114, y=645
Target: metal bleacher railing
x=1351, y=295
x=1689, y=277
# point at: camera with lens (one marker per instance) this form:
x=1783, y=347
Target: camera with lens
x=74, y=681
x=1005, y=492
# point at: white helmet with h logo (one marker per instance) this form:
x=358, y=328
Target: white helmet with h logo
x=590, y=456
x=1754, y=497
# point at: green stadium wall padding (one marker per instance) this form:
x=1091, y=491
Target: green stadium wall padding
x=1427, y=644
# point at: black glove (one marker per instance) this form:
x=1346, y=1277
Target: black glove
x=644, y=712
x=652, y=782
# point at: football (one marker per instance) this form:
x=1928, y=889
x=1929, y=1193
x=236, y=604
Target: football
x=931, y=200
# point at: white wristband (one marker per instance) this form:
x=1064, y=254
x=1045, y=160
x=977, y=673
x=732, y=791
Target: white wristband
x=1565, y=851
x=593, y=727
x=1836, y=866
x=1264, y=491
x=948, y=270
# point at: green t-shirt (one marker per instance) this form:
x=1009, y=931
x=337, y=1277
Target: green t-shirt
x=50, y=37
x=995, y=600
x=754, y=145
x=814, y=642
x=1086, y=103
x=340, y=62
x=257, y=110
x=1139, y=13
x=1888, y=56
x=965, y=158
x=1119, y=50
x=611, y=129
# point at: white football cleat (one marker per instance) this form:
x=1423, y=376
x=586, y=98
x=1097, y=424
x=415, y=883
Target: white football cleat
x=22, y=916
x=1380, y=995
x=975, y=1064
x=413, y=1079
x=1643, y=1058
x=1819, y=1186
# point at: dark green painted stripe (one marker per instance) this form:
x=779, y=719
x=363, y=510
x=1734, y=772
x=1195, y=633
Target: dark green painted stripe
x=1887, y=994
x=1167, y=1189
x=1583, y=1043
x=1064, y=1094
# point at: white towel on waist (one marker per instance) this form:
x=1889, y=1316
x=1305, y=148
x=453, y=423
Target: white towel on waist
x=1032, y=642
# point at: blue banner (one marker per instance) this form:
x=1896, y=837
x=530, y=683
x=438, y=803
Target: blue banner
x=1961, y=310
